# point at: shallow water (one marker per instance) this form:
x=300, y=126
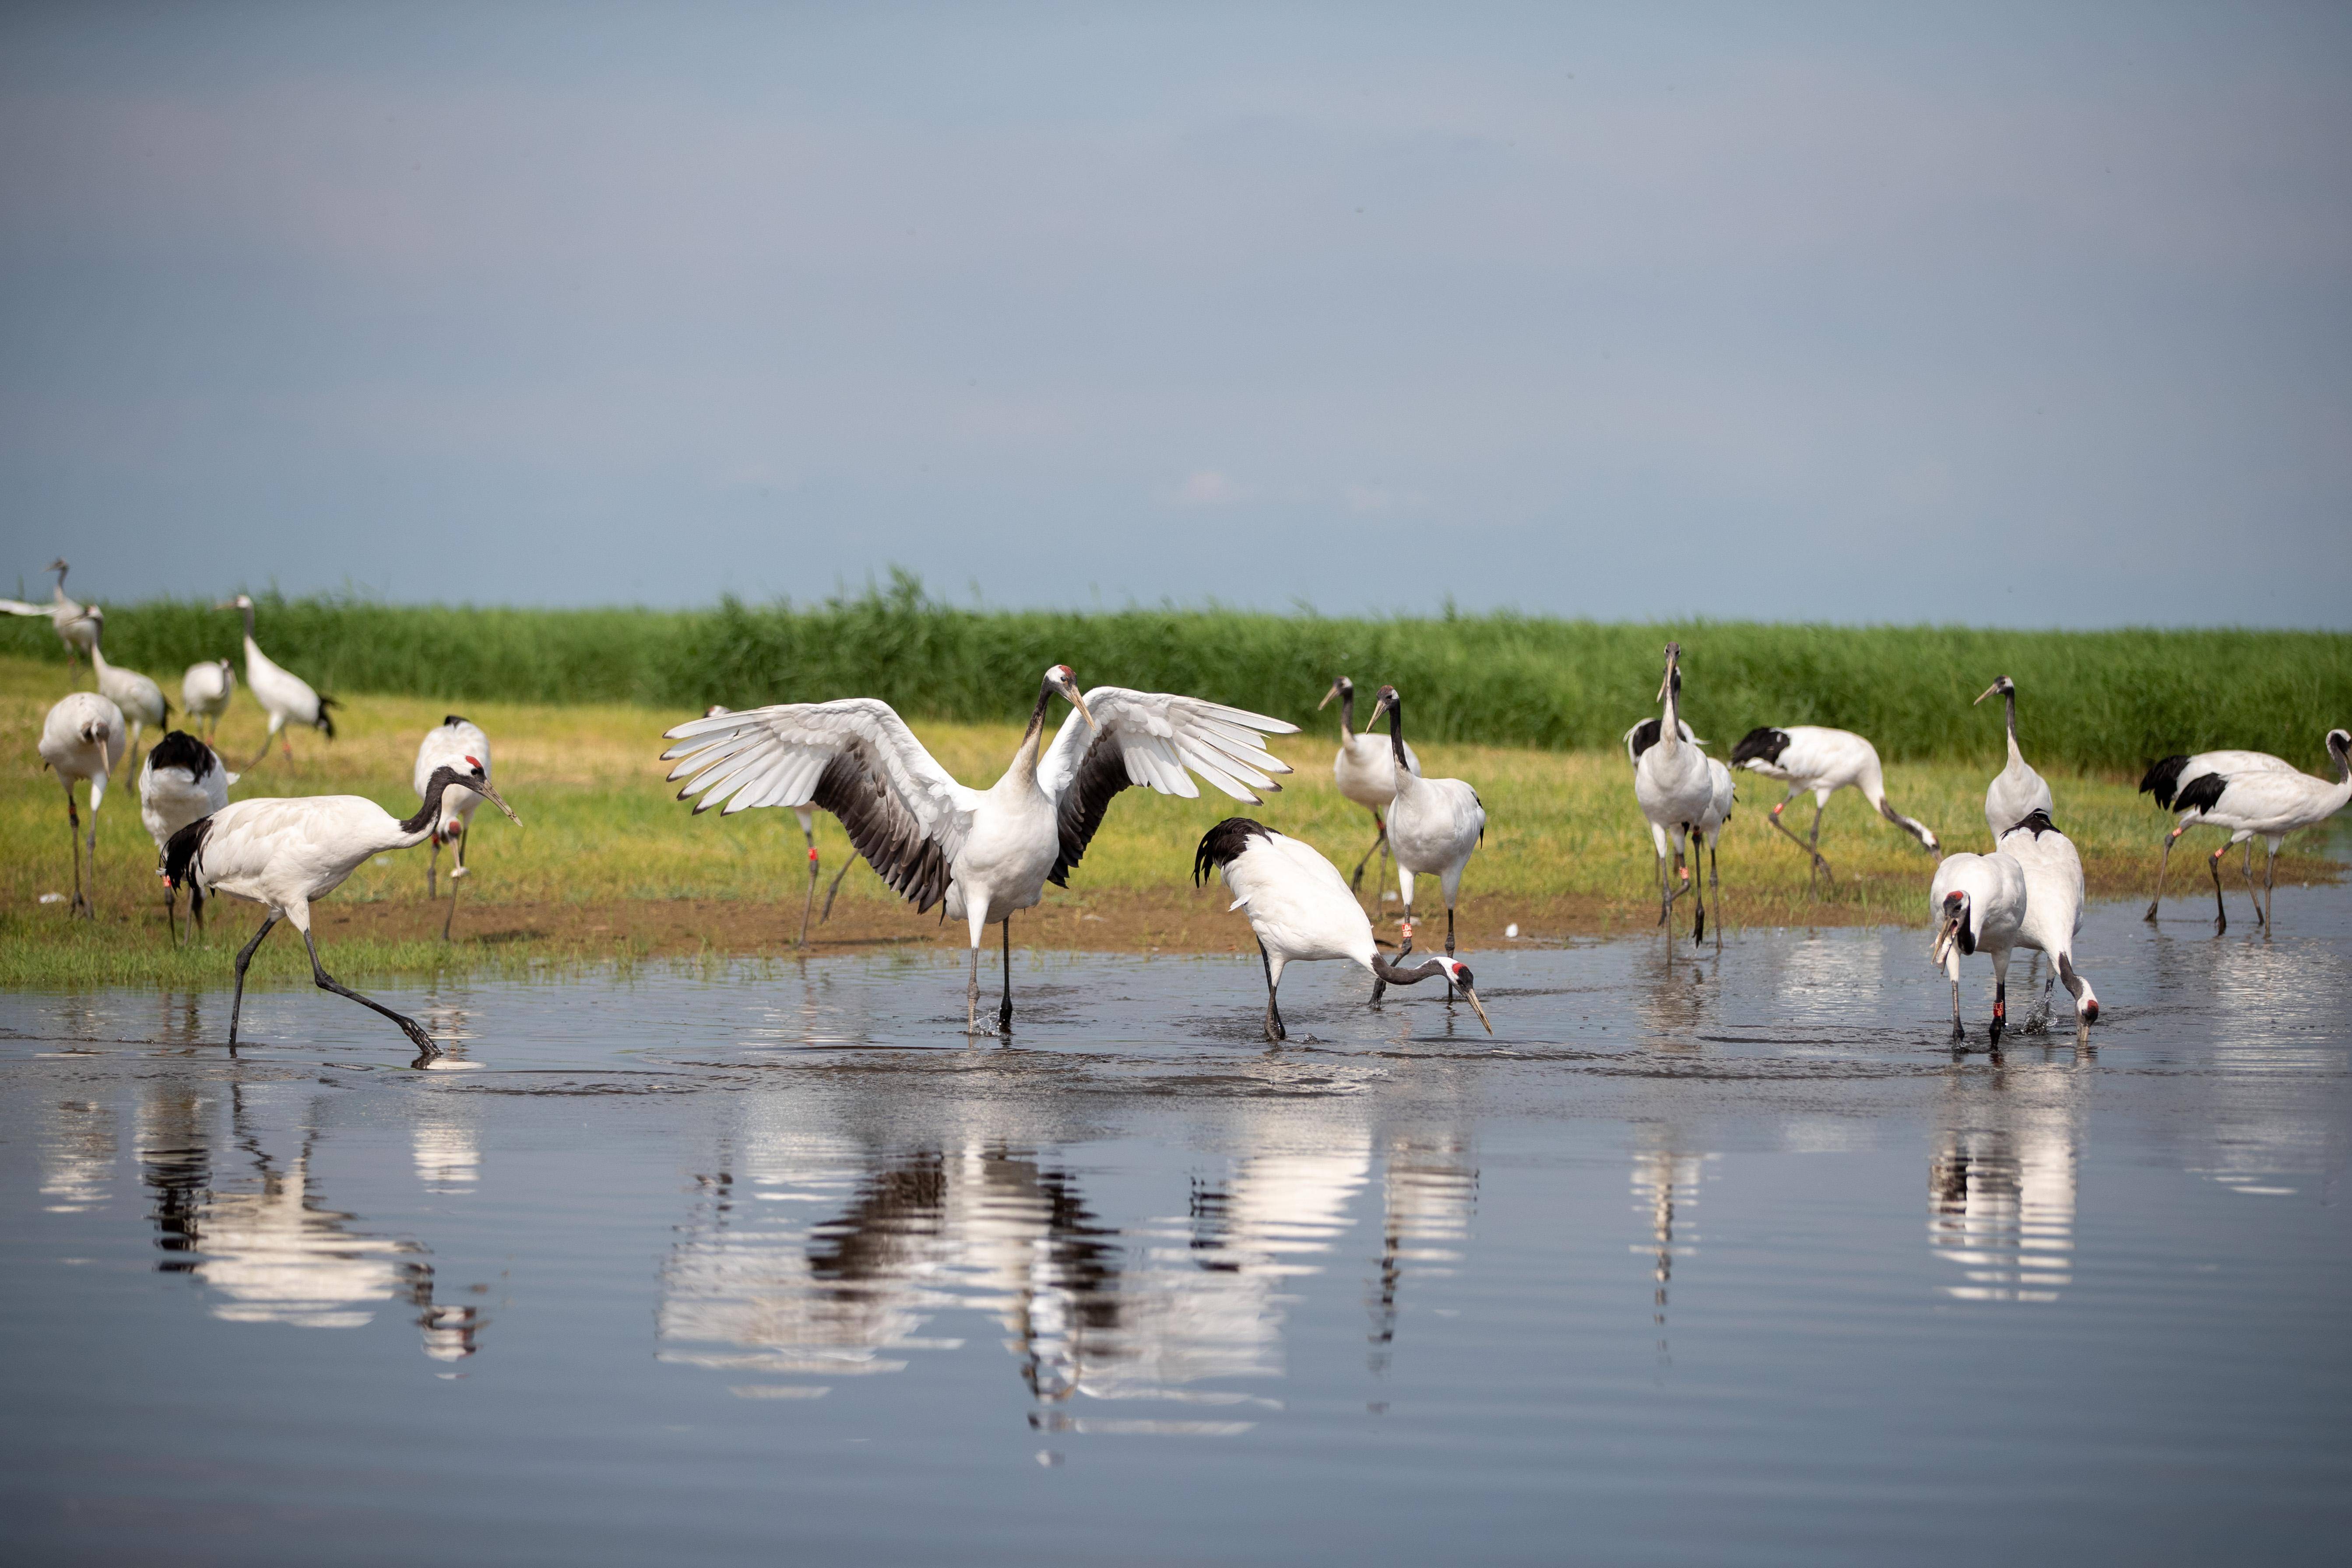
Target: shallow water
x=1726, y=1260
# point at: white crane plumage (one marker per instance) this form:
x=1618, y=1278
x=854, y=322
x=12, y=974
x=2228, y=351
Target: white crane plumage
x=1365, y=770
x=68, y=617
x=986, y=853
x=2266, y=804
x=1676, y=790
x=1809, y=757
x=287, y=854
x=2017, y=791
x=1434, y=825
x=2053, y=906
x=140, y=700
x=1709, y=829
x=182, y=781
x=82, y=738
x=455, y=740
x=807, y=816
x=1977, y=902
x=1301, y=911
x=286, y=696
x=2166, y=779
x=204, y=692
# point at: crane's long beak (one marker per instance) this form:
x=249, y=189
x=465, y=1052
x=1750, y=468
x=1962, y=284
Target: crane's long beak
x=226, y=604
x=489, y=792
x=1328, y=697
x=1943, y=943
x=1993, y=691
x=1078, y=702
x=1476, y=1006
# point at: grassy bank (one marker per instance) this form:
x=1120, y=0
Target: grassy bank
x=2092, y=701
x=609, y=868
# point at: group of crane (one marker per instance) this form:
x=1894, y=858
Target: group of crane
x=983, y=854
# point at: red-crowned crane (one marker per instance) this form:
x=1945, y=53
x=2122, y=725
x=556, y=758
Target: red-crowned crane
x=1977, y=902
x=204, y=692
x=68, y=617
x=2017, y=791
x=1676, y=790
x=2053, y=906
x=286, y=698
x=184, y=780
x=454, y=740
x=1301, y=911
x=987, y=853
x=1365, y=770
x=1709, y=829
x=287, y=854
x=2166, y=779
x=1434, y=825
x=1808, y=757
x=82, y=739
x=2268, y=804
x=140, y=700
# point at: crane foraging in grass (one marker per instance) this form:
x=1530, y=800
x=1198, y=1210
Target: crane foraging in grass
x=807, y=815
x=1434, y=825
x=184, y=780
x=286, y=696
x=454, y=740
x=2169, y=778
x=2017, y=791
x=1723, y=791
x=2266, y=804
x=2053, y=870
x=1365, y=770
x=140, y=700
x=986, y=854
x=1977, y=902
x=287, y=854
x=1808, y=757
x=82, y=738
x=204, y=692
x=71, y=621
x=1301, y=911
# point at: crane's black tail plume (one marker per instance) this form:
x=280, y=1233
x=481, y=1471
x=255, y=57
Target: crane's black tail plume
x=1222, y=842
x=178, y=749
x=2163, y=781
x=1763, y=743
x=2200, y=793
x=182, y=861
x=327, y=720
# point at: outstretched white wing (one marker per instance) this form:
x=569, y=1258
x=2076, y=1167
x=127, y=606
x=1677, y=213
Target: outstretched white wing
x=1152, y=739
x=854, y=758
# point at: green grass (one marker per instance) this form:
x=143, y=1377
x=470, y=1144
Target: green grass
x=602, y=827
x=2091, y=701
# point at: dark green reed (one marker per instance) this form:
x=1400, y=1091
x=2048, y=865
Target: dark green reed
x=2112, y=699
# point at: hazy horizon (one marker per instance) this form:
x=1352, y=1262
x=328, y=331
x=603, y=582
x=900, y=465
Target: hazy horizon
x=2004, y=318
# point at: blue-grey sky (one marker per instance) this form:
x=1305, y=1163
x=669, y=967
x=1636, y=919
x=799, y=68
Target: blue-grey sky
x=2027, y=315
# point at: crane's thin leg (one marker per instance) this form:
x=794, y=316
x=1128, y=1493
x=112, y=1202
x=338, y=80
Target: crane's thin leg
x=1715, y=893
x=2221, y=914
x=1449, y=930
x=1388, y=858
x=245, y=957
x=2161, y=862
x=2252, y=896
x=90, y=841
x=835, y=888
x=1813, y=849
x=1699, y=896
x=1274, y=1029
x=326, y=982
x=1004, y=1008
x=433, y=868
x=172, y=912
x=1999, y=1008
x=809, y=902
x=1958, y=1032
x=81, y=905
x=450, y=913
x=1379, y=839
x=1819, y=865
x=2270, y=882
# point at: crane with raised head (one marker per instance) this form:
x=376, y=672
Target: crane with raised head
x=1365, y=770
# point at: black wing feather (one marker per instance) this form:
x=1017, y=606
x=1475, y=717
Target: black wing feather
x=1101, y=774
x=1762, y=743
x=880, y=828
x=2203, y=793
x=2163, y=780
x=1645, y=735
x=178, y=749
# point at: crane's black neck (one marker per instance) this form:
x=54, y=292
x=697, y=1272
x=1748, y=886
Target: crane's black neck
x=1348, y=711
x=1024, y=755
x=2008, y=704
x=430, y=812
x=247, y=611
x=1413, y=976
x=1396, y=733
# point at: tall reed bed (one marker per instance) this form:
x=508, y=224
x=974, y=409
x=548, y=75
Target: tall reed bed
x=2110, y=700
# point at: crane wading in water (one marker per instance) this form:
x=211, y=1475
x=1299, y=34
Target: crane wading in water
x=1300, y=911
x=287, y=854
x=988, y=853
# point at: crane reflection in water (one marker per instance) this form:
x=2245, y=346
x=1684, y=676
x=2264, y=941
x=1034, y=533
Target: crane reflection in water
x=2002, y=1176
x=816, y=1258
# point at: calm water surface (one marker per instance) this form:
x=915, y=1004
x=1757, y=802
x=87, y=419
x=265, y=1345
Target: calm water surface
x=1726, y=1260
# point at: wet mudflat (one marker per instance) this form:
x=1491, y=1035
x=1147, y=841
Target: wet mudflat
x=1730, y=1260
